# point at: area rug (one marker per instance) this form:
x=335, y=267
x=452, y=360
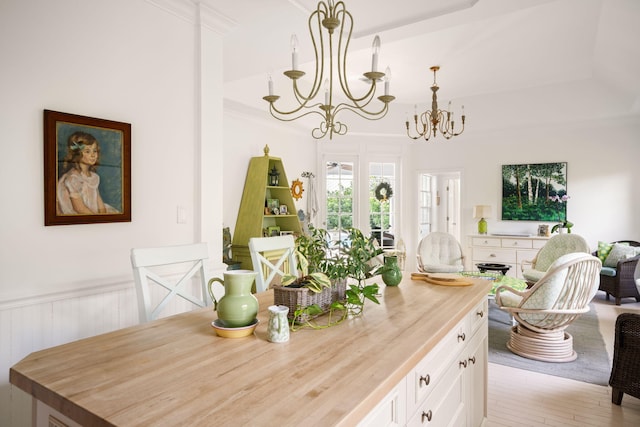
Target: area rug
x=591, y=366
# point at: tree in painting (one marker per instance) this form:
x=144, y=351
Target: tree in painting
x=526, y=189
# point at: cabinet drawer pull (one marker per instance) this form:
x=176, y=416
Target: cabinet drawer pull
x=480, y=313
x=426, y=415
x=472, y=360
x=461, y=337
x=492, y=255
x=462, y=363
x=425, y=379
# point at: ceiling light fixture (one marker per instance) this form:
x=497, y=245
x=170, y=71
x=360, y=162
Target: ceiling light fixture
x=436, y=119
x=328, y=17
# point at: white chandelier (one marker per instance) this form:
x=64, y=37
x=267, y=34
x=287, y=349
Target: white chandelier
x=435, y=120
x=323, y=22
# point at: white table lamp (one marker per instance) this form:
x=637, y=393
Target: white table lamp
x=481, y=212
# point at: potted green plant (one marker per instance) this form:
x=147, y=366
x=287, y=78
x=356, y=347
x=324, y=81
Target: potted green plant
x=321, y=259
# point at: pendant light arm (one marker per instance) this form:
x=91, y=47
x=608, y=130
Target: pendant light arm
x=330, y=18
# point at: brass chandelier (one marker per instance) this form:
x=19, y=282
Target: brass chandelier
x=435, y=120
x=323, y=22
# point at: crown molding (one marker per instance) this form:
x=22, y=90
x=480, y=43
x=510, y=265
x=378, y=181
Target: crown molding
x=197, y=13
x=216, y=21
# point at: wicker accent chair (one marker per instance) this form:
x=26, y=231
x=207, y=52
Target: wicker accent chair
x=625, y=373
x=544, y=311
x=440, y=253
x=620, y=281
x=558, y=245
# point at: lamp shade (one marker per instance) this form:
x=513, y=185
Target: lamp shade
x=481, y=211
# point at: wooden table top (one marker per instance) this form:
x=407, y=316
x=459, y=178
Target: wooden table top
x=177, y=371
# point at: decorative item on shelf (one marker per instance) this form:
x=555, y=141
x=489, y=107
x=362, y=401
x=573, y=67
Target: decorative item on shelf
x=273, y=231
x=283, y=210
x=435, y=119
x=238, y=307
x=274, y=177
x=390, y=271
x=296, y=189
x=481, y=212
x=328, y=17
x=561, y=202
x=543, y=230
x=273, y=204
x=383, y=191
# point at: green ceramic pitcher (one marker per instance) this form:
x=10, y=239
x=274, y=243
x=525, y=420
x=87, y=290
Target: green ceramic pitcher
x=238, y=307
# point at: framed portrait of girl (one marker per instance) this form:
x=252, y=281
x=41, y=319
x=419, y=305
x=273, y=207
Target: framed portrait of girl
x=87, y=169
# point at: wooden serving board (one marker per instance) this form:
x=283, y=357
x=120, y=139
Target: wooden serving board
x=443, y=279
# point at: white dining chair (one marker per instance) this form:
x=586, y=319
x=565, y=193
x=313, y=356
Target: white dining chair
x=271, y=257
x=178, y=269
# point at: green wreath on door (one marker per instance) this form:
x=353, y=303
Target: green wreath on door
x=383, y=191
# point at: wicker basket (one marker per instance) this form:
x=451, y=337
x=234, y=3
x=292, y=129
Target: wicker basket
x=303, y=297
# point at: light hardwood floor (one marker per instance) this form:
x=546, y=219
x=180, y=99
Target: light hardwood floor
x=524, y=398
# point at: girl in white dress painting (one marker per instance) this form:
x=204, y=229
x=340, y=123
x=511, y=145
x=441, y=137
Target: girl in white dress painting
x=77, y=191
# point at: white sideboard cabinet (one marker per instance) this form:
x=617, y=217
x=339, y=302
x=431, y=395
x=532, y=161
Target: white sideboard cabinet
x=511, y=251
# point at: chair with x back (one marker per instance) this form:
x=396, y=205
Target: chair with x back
x=178, y=269
x=272, y=256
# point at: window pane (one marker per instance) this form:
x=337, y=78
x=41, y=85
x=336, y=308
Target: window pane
x=339, y=197
x=424, y=210
x=382, y=182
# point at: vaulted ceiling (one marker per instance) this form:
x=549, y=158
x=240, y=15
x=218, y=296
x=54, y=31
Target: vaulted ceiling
x=510, y=62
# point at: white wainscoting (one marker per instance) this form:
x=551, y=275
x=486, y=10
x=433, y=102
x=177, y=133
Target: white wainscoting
x=34, y=323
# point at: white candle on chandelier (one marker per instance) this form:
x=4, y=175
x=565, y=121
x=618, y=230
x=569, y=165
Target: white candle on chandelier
x=415, y=109
x=376, y=51
x=294, y=52
x=387, y=79
x=326, y=91
x=270, y=85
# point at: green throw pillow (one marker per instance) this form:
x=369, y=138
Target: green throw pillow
x=619, y=252
x=603, y=250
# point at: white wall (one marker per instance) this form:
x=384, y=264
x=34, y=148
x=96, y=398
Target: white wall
x=125, y=60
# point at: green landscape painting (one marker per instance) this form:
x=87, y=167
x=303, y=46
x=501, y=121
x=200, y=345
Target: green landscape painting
x=527, y=190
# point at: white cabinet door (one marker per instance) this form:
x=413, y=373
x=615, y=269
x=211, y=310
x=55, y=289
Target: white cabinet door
x=475, y=378
x=391, y=411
